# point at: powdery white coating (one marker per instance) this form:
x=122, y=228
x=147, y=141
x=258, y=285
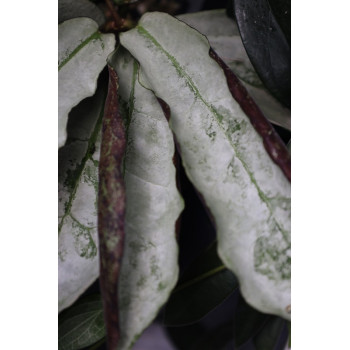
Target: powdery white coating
x=224, y=157
x=77, y=78
x=78, y=260
x=149, y=268
x=223, y=36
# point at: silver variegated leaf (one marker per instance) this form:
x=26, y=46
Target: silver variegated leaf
x=82, y=54
x=223, y=35
x=78, y=263
x=223, y=155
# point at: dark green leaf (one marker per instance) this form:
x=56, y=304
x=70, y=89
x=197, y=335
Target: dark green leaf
x=266, y=45
x=217, y=339
x=82, y=324
x=205, y=285
x=281, y=9
x=268, y=338
x=248, y=322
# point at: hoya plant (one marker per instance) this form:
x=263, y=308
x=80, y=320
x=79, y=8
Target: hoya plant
x=174, y=125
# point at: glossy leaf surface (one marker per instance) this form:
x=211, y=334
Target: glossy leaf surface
x=223, y=35
x=82, y=324
x=223, y=155
x=77, y=206
x=149, y=267
x=266, y=45
x=204, y=285
x=82, y=54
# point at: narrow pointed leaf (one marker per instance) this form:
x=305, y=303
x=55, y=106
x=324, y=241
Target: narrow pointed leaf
x=77, y=206
x=68, y=9
x=235, y=160
x=204, y=285
x=223, y=36
x=82, y=54
x=82, y=324
x=111, y=208
x=149, y=267
x=266, y=45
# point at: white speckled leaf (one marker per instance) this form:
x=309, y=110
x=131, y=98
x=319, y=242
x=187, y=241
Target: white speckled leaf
x=223, y=156
x=149, y=267
x=223, y=35
x=82, y=54
x=78, y=262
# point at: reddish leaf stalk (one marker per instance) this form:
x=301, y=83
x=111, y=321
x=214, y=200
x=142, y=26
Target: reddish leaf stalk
x=272, y=142
x=111, y=208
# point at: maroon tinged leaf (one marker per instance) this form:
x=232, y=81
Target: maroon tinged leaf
x=111, y=208
x=272, y=142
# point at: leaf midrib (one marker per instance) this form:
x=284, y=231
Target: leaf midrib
x=95, y=36
x=217, y=116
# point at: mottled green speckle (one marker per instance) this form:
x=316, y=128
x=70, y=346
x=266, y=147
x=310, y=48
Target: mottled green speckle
x=83, y=242
x=162, y=286
x=272, y=256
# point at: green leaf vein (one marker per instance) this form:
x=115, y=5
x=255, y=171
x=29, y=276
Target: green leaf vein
x=182, y=73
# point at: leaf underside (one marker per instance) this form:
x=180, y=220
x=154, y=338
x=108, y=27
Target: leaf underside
x=223, y=155
x=111, y=208
x=204, y=285
x=149, y=268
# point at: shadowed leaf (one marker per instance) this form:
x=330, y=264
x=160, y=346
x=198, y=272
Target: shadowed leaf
x=270, y=335
x=82, y=324
x=248, y=322
x=266, y=46
x=204, y=285
x=68, y=9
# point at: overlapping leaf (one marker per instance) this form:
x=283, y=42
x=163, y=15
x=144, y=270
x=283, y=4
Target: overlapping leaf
x=270, y=335
x=77, y=207
x=81, y=325
x=223, y=35
x=205, y=285
x=266, y=45
x=68, y=9
x=149, y=267
x=248, y=322
x=223, y=155
x=82, y=54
